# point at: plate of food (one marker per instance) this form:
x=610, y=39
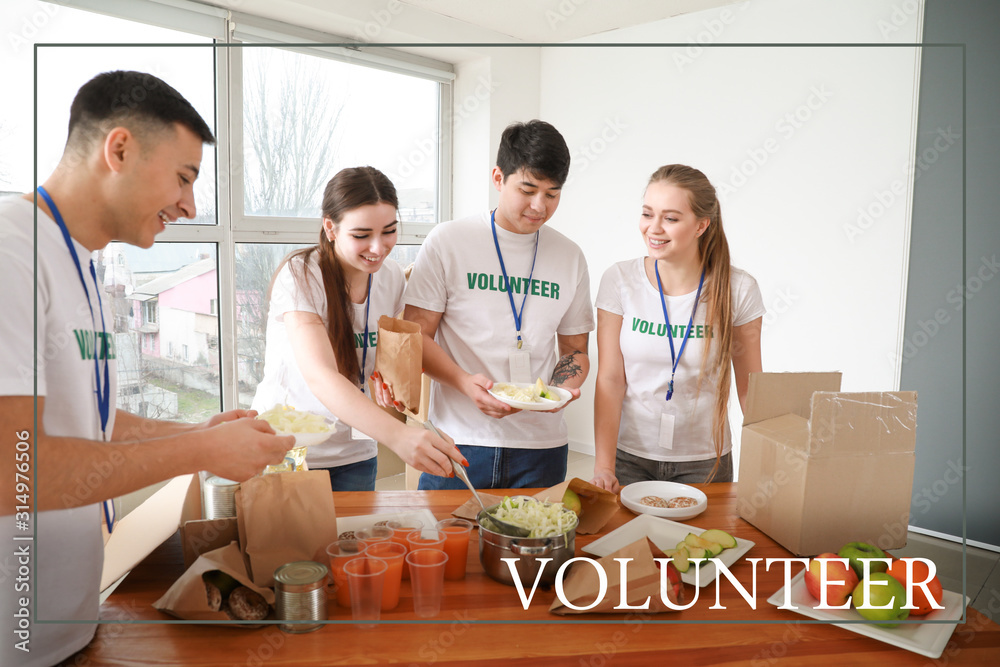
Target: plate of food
x=667, y=500
x=668, y=537
x=308, y=428
x=925, y=637
x=530, y=396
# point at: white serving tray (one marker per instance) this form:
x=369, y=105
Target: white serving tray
x=665, y=535
x=926, y=638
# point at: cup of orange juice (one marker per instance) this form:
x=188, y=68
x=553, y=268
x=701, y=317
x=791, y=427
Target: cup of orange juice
x=339, y=553
x=401, y=529
x=456, y=545
x=393, y=554
x=428, y=538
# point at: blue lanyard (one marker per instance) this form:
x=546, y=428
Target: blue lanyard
x=670, y=335
x=103, y=394
x=506, y=281
x=364, y=350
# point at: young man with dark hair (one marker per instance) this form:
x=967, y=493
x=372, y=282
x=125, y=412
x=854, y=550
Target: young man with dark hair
x=133, y=152
x=501, y=297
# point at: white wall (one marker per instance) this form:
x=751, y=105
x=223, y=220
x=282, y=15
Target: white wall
x=803, y=138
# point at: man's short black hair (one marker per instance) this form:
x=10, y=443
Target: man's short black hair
x=136, y=100
x=536, y=147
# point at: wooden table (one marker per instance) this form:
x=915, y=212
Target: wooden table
x=463, y=634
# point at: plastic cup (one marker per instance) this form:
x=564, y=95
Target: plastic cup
x=365, y=578
x=401, y=529
x=427, y=576
x=373, y=534
x=428, y=538
x=393, y=553
x=456, y=545
x=339, y=553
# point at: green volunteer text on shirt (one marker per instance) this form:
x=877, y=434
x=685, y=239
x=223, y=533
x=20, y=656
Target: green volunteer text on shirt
x=490, y=282
x=87, y=342
x=359, y=340
x=676, y=330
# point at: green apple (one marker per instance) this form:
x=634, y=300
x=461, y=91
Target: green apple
x=571, y=501
x=881, y=598
x=855, y=551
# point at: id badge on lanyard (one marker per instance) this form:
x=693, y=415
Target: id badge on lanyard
x=519, y=356
x=101, y=346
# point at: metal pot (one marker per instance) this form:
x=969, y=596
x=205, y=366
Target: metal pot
x=527, y=550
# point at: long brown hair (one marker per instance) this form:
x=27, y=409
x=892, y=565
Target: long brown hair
x=349, y=189
x=714, y=252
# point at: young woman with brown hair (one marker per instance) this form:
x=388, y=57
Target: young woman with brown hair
x=672, y=329
x=322, y=328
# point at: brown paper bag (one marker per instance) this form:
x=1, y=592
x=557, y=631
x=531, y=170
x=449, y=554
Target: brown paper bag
x=187, y=598
x=398, y=359
x=582, y=585
x=283, y=518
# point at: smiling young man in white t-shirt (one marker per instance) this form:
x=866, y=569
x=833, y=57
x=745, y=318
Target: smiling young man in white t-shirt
x=485, y=283
x=132, y=155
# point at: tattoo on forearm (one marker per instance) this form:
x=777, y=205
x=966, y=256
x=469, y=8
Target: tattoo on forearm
x=566, y=368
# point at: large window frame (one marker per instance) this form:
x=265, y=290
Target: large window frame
x=231, y=30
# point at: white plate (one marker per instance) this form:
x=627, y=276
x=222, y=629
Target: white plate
x=308, y=439
x=927, y=639
x=543, y=403
x=665, y=535
x=633, y=493
x=345, y=523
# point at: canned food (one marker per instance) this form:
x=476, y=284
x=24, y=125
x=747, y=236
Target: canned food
x=300, y=595
x=220, y=498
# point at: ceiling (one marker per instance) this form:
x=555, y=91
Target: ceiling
x=560, y=20
x=450, y=21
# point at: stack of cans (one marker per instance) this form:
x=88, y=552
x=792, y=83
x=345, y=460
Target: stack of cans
x=219, y=498
x=300, y=595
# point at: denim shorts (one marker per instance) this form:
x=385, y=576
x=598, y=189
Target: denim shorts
x=505, y=468
x=358, y=476
x=630, y=468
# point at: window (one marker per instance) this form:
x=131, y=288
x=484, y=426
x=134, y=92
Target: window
x=190, y=311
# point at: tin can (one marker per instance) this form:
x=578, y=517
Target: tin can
x=300, y=595
x=219, y=497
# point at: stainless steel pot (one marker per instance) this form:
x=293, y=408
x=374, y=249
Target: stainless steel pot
x=527, y=550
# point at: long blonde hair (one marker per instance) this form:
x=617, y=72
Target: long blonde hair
x=714, y=252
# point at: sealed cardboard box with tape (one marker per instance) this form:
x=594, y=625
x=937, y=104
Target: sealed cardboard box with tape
x=820, y=467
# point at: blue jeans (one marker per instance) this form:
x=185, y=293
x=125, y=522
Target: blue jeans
x=630, y=468
x=358, y=476
x=505, y=468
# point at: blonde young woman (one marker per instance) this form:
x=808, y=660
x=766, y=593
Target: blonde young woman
x=673, y=328
x=322, y=326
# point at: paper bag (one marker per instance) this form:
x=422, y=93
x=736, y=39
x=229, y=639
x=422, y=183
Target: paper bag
x=398, y=359
x=597, y=505
x=582, y=585
x=284, y=518
x=188, y=598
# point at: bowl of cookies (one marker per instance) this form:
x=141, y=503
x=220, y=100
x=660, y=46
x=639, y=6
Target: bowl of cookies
x=669, y=500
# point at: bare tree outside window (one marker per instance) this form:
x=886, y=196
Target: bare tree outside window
x=290, y=132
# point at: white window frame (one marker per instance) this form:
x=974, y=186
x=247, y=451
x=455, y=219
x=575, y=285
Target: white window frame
x=232, y=27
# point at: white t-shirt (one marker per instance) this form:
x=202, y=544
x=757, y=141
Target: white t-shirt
x=625, y=290
x=68, y=549
x=457, y=273
x=283, y=382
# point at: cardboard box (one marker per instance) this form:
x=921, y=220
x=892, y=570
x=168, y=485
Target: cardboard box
x=820, y=467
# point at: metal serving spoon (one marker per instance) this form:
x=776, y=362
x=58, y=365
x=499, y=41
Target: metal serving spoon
x=502, y=526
